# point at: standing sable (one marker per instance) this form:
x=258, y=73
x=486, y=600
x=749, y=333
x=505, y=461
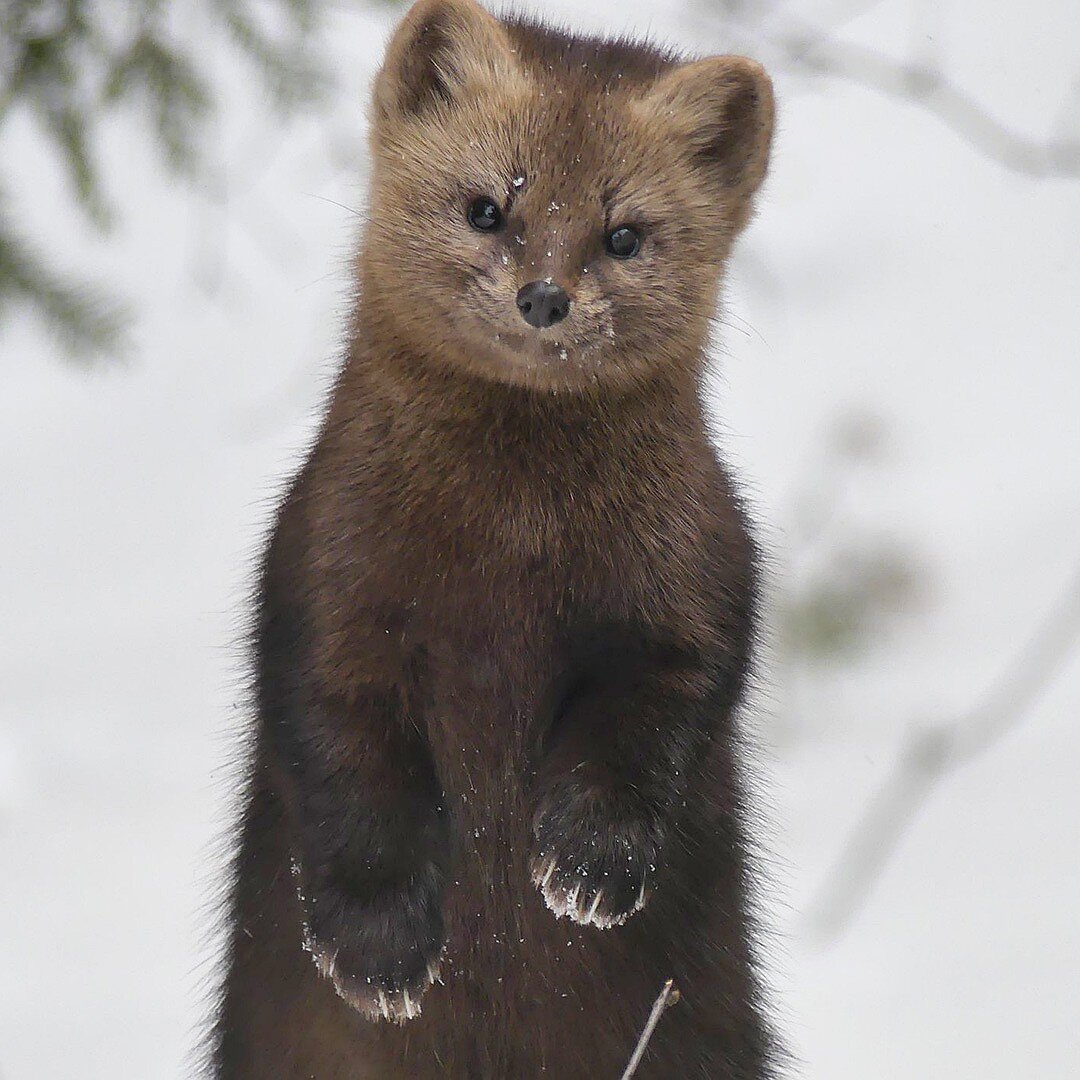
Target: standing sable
x=508, y=607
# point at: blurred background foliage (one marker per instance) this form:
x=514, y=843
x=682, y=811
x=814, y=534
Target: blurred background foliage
x=847, y=586
x=70, y=63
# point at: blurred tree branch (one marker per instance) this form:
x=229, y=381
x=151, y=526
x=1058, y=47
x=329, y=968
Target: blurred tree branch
x=925, y=84
x=829, y=611
x=786, y=42
x=68, y=63
x=931, y=754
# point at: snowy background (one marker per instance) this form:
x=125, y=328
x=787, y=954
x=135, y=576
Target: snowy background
x=898, y=382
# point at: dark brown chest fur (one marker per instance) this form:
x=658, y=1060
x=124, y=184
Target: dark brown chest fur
x=487, y=546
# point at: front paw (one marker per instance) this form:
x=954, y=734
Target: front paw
x=593, y=862
x=380, y=951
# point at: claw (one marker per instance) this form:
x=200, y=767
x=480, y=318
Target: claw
x=595, y=906
x=547, y=875
x=571, y=900
x=325, y=963
x=640, y=902
x=384, y=1005
x=411, y=1010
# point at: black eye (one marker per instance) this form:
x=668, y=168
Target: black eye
x=623, y=242
x=484, y=215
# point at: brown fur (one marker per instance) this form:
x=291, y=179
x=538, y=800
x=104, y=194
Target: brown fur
x=508, y=607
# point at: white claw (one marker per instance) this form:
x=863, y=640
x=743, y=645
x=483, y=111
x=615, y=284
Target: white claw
x=595, y=906
x=640, y=902
x=571, y=900
x=384, y=1005
x=547, y=875
x=325, y=963
x=409, y=1007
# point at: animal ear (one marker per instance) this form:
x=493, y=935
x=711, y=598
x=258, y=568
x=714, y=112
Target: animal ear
x=442, y=50
x=721, y=109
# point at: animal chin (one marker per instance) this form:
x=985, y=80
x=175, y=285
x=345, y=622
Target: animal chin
x=535, y=357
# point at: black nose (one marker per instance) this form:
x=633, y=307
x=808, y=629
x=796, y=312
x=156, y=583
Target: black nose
x=543, y=304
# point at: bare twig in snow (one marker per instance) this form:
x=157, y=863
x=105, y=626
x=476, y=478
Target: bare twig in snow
x=931, y=755
x=668, y=996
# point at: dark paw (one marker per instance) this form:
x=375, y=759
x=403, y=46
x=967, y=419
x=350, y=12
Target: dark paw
x=381, y=952
x=591, y=863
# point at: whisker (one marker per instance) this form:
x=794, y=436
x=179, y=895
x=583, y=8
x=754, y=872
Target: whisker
x=333, y=202
x=318, y=280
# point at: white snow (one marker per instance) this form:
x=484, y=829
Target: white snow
x=894, y=270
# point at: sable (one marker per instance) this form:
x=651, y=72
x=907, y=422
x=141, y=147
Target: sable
x=508, y=607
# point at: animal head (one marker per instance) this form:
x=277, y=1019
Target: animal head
x=554, y=211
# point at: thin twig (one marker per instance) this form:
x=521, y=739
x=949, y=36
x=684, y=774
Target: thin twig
x=668, y=996
x=932, y=754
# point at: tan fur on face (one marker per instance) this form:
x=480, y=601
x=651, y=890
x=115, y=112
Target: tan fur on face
x=467, y=106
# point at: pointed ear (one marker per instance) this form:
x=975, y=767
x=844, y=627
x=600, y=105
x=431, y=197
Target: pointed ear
x=442, y=50
x=721, y=111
